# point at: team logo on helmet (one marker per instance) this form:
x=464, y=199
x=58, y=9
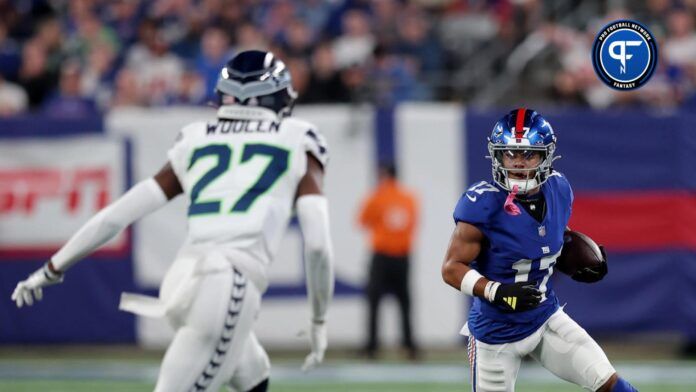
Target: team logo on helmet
x=624, y=55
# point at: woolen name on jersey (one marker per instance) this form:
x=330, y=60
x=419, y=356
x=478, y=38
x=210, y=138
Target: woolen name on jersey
x=244, y=126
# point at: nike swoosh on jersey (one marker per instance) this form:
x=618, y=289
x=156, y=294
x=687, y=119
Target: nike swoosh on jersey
x=472, y=198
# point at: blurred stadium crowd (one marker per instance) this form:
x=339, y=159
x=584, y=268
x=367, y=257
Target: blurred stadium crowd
x=71, y=57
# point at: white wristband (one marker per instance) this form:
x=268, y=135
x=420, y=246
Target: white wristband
x=490, y=290
x=468, y=281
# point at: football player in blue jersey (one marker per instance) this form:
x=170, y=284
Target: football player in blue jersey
x=502, y=252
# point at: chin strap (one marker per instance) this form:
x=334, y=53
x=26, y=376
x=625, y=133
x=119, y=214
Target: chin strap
x=510, y=207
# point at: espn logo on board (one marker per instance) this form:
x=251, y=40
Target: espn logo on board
x=50, y=188
x=22, y=191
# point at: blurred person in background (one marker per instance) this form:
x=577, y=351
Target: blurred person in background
x=91, y=33
x=34, y=75
x=212, y=292
x=386, y=19
x=394, y=78
x=50, y=35
x=99, y=74
x=69, y=101
x=190, y=90
x=249, y=37
x=357, y=42
x=157, y=69
x=300, y=71
x=214, y=52
x=390, y=215
x=297, y=40
x=10, y=54
x=126, y=91
x=13, y=99
x=325, y=83
x=680, y=44
x=123, y=17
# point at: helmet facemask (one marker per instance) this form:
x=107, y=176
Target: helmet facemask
x=526, y=179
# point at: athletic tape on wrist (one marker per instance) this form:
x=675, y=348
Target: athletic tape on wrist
x=490, y=290
x=468, y=281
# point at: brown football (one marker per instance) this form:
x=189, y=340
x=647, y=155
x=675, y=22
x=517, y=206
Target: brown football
x=579, y=251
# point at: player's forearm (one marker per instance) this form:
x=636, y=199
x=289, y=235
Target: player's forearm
x=143, y=198
x=320, y=284
x=312, y=212
x=454, y=274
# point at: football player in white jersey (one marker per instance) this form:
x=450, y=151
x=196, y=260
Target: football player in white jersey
x=242, y=174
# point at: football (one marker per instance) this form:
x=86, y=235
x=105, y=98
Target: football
x=579, y=251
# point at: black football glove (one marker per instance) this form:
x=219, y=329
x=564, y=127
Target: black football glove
x=593, y=274
x=518, y=296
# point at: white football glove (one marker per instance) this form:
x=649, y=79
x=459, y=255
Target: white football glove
x=318, y=343
x=30, y=289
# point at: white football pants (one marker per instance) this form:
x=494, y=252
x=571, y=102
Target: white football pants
x=214, y=344
x=560, y=345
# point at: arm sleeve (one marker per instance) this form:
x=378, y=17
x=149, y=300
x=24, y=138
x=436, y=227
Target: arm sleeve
x=313, y=214
x=144, y=198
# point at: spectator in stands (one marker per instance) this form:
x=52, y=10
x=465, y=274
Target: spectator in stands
x=69, y=100
x=356, y=79
x=34, y=76
x=10, y=54
x=277, y=17
x=50, y=35
x=190, y=90
x=249, y=37
x=91, y=33
x=325, y=83
x=680, y=44
x=126, y=91
x=299, y=69
x=393, y=79
x=157, y=69
x=416, y=42
x=214, y=53
x=13, y=99
x=98, y=75
x=123, y=17
x=386, y=18
x=297, y=39
x=356, y=44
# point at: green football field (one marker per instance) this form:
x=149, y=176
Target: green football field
x=58, y=372
x=114, y=386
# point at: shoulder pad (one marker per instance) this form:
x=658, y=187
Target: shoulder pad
x=313, y=141
x=192, y=129
x=478, y=203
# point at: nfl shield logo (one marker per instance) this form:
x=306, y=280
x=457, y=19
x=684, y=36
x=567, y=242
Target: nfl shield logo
x=542, y=231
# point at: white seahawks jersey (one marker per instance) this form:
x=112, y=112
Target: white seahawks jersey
x=240, y=175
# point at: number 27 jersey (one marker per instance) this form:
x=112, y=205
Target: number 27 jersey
x=240, y=176
x=518, y=248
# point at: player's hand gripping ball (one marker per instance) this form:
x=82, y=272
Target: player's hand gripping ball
x=582, y=258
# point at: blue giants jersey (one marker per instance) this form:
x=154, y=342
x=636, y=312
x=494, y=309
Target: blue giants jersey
x=517, y=249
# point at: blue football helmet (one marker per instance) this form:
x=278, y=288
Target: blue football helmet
x=256, y=78
x=522, y=132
